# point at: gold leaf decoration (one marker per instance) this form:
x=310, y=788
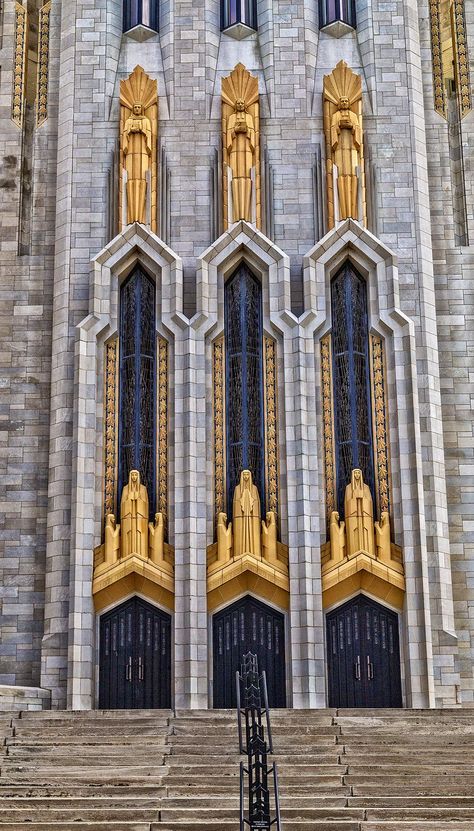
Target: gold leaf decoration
x=328, y=427
x=110, y=427
x=380, y=424
x=19, y=63
x=271, y=424
x=219, y=428
x=163, y=431
x=43, y=64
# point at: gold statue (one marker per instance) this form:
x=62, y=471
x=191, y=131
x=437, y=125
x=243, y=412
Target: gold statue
x=246, y=517
x=344, y=146
x=134, y=515
x=138, y=139
x=224, y=539
x=382, y=538
x=337, y=537
x=241, y=154
x=359, y=516
x=156, y=539
x=112, y=540
x=269, y=538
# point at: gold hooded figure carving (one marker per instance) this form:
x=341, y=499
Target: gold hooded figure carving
x=138, y=138
x=246, y=517
x=344, y=144
x=241, y=155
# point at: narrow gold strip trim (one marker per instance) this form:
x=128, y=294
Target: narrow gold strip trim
x=19, y=64
x=379, y=397
x=461, y=59
x=271, y=424
x=328, y=427
x=110, y=427
x=219, y=426
x=163, y=431
x=43, y=65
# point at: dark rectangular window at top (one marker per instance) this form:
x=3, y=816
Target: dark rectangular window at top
x=140, y=13
x=239, y=11
x=337, y=11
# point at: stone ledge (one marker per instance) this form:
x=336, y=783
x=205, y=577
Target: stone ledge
x=24, y=698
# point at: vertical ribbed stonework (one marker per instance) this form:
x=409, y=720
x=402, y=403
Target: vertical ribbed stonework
x=19, y=63
x=162, y=505
x=271, y=425
x=110, y=427
x=328, y=427
x=379, y=398
x=219, y=452
x=43, y=64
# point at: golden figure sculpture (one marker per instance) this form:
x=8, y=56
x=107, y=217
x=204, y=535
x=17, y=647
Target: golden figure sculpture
x=224, y=538
x=359, y=516
x=382, y=537
x=134, y=514
x=246, y=517
x=156, y=539
x=112, y=540
x=269, y=538
x=138, y=140
x=337, y=537
x=241, y=154
x=342, y=97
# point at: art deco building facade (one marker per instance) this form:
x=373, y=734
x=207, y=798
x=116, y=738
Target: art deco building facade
x=237, y=345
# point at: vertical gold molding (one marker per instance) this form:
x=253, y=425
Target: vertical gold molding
x=19, y=64
x=43, y=64
x=461, y=61
x=162, y=506
x=379, y=398
x=110, y=427
x=219, y=429
x=328, y=427
x=271, y=424
x=440, y=102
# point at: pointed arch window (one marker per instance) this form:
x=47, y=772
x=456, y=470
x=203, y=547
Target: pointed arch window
x=244, y=381
x=351, y=380
x=137, y=396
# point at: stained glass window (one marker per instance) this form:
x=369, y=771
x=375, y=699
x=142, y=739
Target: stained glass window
x=140, y=13
x=244, y=384
x=352, y=407
x=234, y=12
x=332, y=11
x=137, y=347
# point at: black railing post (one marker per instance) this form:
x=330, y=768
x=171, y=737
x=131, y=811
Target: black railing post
x=255, y=811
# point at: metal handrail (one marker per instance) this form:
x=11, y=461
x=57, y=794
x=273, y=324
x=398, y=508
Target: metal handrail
x=257, y=748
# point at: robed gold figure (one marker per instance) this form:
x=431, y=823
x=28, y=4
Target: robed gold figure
x=359, y=516
x=134, y=514
x=241, y=154
x=344, y=145
x=246, y=517
x=138, y=139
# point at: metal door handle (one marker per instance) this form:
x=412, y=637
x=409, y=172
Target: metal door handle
x=357, y=668
x=370, y=669
x=128, y=669
x=140, y=669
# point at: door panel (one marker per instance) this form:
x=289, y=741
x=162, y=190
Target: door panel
x=135, y=657
x=248, y=626
x=363, y=655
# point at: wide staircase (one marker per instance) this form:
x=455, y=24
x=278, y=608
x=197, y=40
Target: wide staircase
x=380, y=770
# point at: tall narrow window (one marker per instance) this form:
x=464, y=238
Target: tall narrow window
x=333, y=12
x=140, y=13
x=137, y=405
x=352, y=403
x=239, y=15
x=244, y=381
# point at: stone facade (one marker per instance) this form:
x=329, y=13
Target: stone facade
x=59, y=293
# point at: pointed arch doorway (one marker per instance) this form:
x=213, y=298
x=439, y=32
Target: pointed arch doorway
x=248, y=626
x=363, y=653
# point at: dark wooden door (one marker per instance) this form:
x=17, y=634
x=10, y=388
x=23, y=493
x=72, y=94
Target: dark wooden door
x=135, y=657
x=248, y=626
x=363, y=655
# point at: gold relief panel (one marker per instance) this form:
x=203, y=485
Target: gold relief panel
x=110, y=426
x=219, y=427
x=19, y=63
x=328, y=427
x=163, y=431
x=449, y=55
x=461, y=62
x=379, y=398
x=271, y=424
x=437, y=58
x=43, y=64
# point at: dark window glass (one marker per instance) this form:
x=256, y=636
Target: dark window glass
x=140, y=12
x=331, y=11
x=137, y=423
x=239, y=11
x=244, y=386
x=352, y=406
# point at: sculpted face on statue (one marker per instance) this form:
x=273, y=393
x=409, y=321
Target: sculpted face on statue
x=343, y=103
x=134, y=476
x=240, y=105
x=137, y=109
